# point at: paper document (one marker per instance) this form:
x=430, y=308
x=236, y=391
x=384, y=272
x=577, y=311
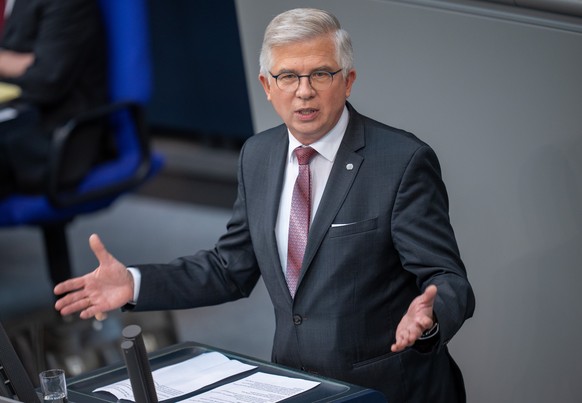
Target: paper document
x=185, y=377
x=7, y=114
x=8, y=92
x=255, y=388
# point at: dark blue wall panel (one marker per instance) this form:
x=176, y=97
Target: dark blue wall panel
x=199, y=84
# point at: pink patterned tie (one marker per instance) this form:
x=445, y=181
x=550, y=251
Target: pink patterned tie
x=299, y=217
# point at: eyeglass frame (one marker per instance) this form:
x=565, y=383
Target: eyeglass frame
x=300, y=76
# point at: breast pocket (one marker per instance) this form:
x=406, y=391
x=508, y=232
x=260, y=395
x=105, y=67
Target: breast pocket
x=350, y=228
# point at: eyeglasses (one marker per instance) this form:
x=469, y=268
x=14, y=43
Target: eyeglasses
x=319, y=80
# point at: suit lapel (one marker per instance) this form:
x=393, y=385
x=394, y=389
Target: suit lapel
x=11, y=34
x=273, y=189
x=344, y=171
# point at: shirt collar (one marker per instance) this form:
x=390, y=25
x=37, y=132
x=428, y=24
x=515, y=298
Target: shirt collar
x=328, y=145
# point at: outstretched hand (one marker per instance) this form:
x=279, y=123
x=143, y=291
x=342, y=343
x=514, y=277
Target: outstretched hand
x=108, y=287
x=418, y=319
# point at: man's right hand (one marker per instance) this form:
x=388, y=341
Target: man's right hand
x=108, y=287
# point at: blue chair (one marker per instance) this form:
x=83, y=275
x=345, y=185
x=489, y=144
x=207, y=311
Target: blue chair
x=130, y=87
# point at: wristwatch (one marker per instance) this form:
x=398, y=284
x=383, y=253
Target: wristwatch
x=427, y=334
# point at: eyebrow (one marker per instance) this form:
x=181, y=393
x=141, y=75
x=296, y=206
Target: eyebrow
x=320, y=68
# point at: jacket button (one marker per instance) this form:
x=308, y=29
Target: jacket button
x=297, y=319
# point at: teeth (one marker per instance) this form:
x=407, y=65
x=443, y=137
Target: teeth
x=306, y=111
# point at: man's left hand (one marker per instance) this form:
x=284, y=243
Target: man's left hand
x=418, y=319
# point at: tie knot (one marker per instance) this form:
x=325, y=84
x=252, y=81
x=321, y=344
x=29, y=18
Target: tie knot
x=304, y=154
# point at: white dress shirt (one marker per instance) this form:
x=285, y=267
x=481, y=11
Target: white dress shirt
x=8, y=8
x=320, y=168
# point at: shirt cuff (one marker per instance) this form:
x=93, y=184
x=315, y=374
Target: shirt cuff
x=136, y=274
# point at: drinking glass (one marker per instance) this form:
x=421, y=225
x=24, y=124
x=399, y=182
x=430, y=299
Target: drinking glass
x=54, y=386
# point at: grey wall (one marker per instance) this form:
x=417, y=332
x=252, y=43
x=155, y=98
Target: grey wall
x=500, y=102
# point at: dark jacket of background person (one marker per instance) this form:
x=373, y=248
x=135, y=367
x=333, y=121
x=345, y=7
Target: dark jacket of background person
x=68, y=77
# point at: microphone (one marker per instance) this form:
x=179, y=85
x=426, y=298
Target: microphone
x=138, y=365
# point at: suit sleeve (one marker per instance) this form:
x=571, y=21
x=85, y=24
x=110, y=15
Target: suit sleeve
x=426, y=242
x=66, y=36
x=227, y=272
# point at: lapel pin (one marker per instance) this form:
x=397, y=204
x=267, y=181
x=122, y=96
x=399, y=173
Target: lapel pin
x=349, y=167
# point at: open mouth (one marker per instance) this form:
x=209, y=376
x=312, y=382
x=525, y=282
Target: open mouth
x=306, y=113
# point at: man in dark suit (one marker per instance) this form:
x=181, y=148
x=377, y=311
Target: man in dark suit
x=381, y=287
x=55, y=52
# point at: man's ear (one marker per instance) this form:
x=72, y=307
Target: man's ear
x=266, y=85
x=351, y=78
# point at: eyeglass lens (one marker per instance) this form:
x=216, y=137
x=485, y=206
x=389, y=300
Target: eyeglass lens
x=319, y=80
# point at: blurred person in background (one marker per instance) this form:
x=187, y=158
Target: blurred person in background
x=54, y=53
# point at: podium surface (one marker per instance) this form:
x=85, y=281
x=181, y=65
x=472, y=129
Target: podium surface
x=81, y=387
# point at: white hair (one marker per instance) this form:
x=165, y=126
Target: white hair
x=303, y=24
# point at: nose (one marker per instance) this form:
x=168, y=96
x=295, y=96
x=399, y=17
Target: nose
x=304, y=89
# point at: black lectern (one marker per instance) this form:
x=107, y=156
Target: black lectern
x=81, y=387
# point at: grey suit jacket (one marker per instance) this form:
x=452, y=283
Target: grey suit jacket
x=358, y=278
